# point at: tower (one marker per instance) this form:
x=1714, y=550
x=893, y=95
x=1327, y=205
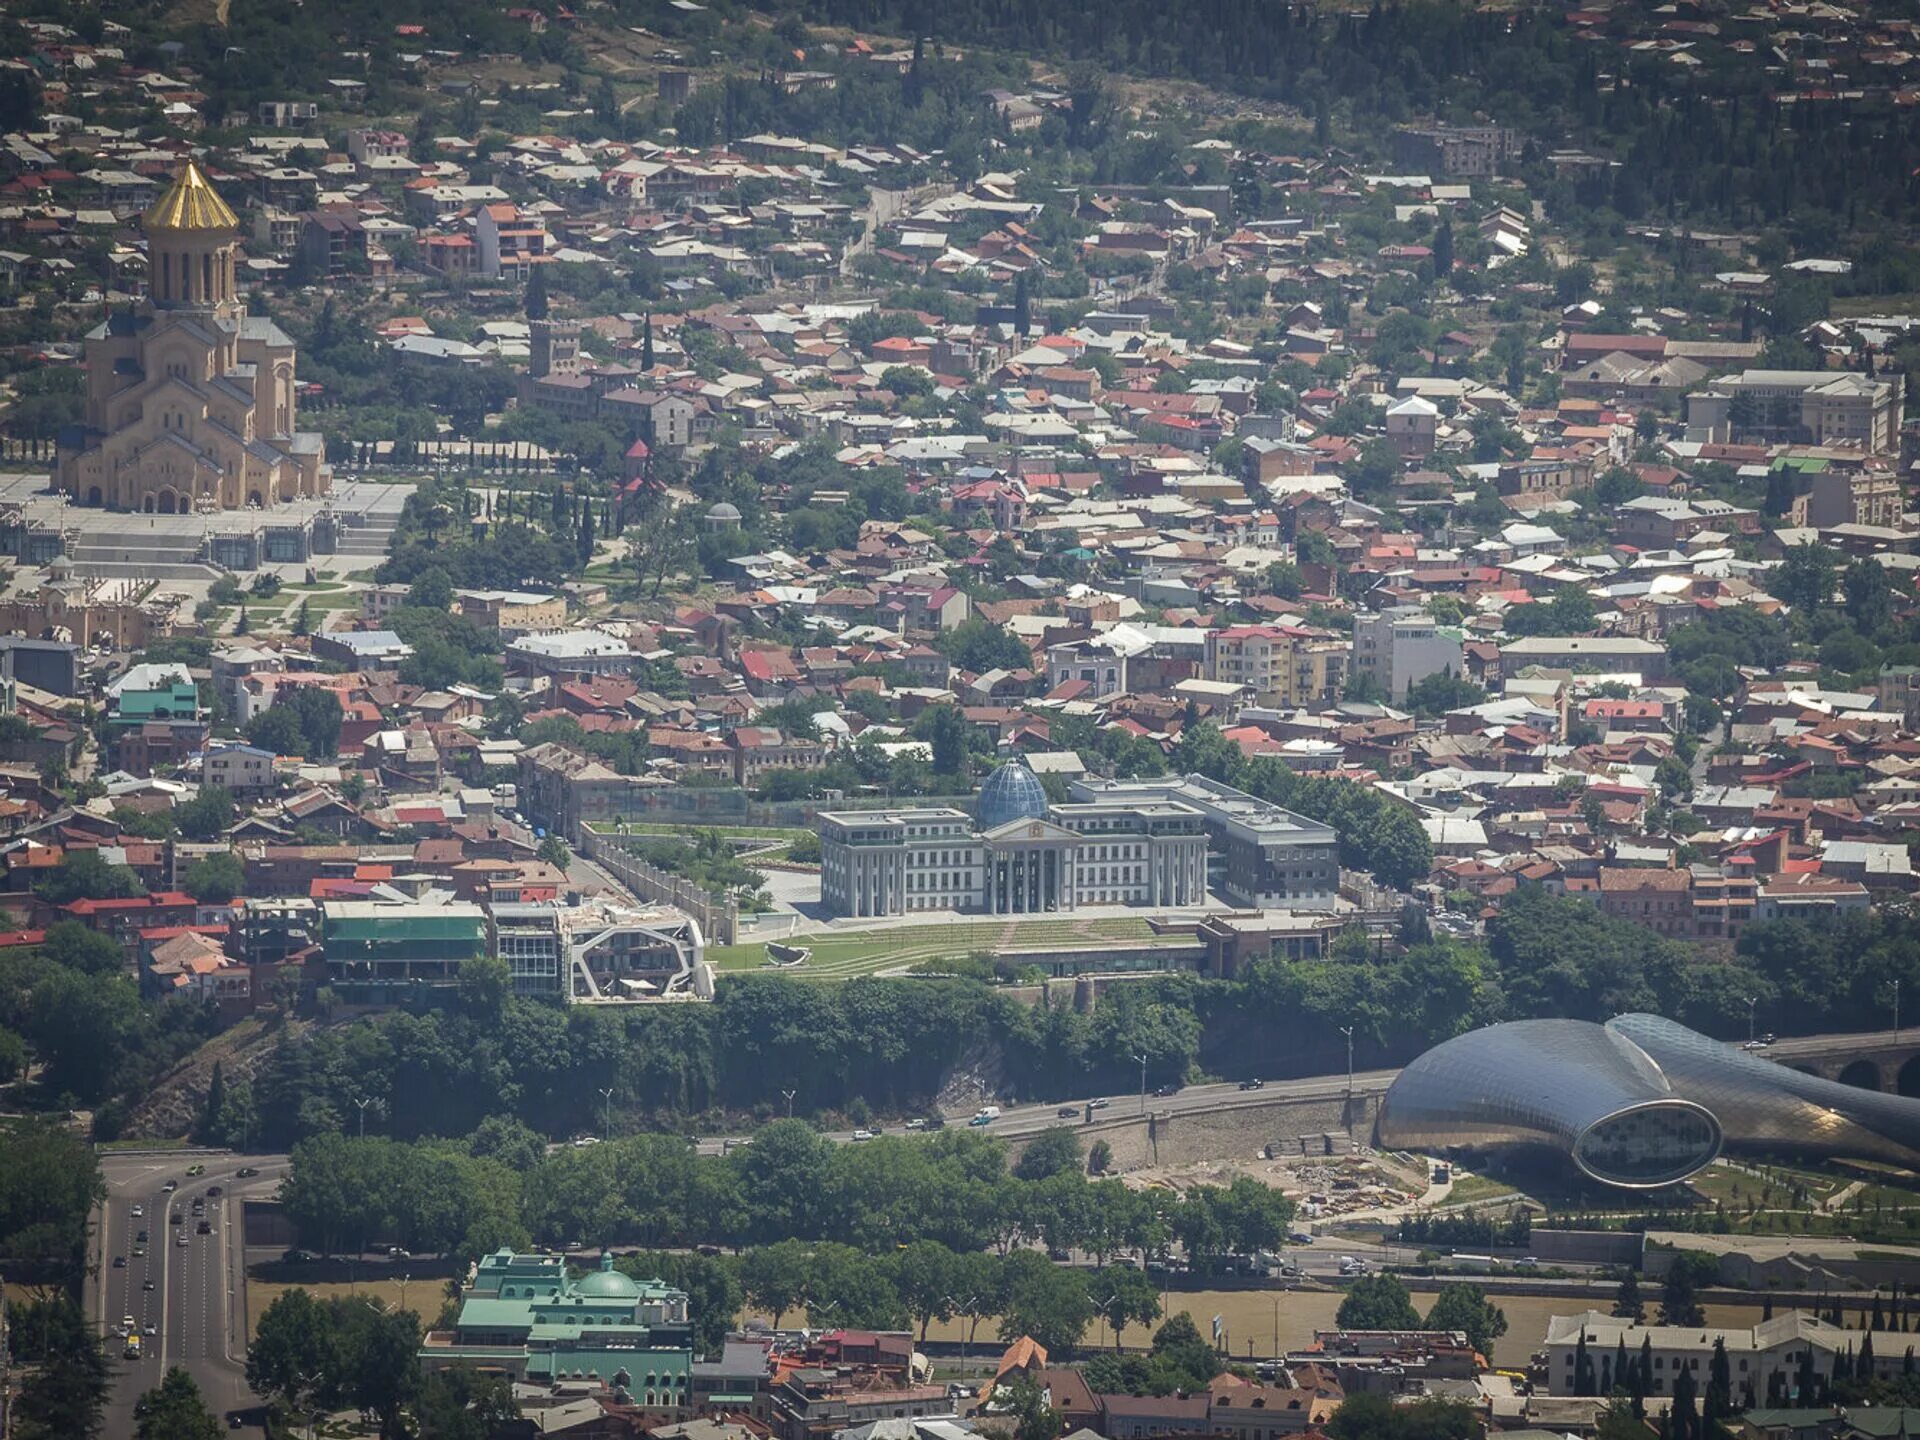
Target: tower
x=191, y=238
x=553, y=348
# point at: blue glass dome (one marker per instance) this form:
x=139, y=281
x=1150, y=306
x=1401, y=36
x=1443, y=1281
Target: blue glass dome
x=1013, y=792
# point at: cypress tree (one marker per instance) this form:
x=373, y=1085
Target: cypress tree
x=1719, y=1398
x=1582, y=1367
x=1686, y=1421
x=1622, y=1368
x=1863, y=1367
x=1443, y=250
x=646, y=342
x=537, y=294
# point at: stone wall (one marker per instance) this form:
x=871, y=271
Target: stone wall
x=1242, y=1129
x=719, y=919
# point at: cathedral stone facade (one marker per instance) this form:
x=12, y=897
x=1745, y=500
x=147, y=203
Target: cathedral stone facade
x=190, y=400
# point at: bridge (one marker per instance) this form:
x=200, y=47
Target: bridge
x=1887, y=1060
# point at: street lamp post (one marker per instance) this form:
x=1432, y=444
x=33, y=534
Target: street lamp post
x=788, y=1095
x=1896, y=1012
x=362, y=1107
x=1752, y=1001
x=606, y=1094
x=1143, y=1081
x=1347, y=1030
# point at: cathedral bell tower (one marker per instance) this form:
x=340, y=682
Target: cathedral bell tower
x=192, y=236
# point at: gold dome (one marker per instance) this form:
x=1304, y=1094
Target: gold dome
x=190, y=203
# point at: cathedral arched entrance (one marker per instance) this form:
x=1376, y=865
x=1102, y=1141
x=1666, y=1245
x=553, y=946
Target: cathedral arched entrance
x=147, y=505
x=167, y=503
x=93, y=495
x=254, y=500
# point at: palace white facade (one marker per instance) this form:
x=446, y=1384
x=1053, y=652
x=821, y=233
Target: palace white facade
x=1148, y=843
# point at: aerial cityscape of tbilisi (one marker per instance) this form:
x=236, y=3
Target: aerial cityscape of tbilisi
x=959, y=720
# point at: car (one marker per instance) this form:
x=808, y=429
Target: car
x=1253, y=1084
x=181, y=1239
x=149, y=1329
x=245, y=1172
x=214, y=1192
x=119, y=1262
x=980, y=1120
x=171, y=1186
x=863, y=1135
x=141, y=1237
x=1099, y=1104
x=1299, y=1237
x=139, y=1252
x=137, y=1211
x=205, y=1227
x=918, y=1122
x=299, y=1257
x=146, y=1284
x=174, y=1217
x=127, y=1322
x=584, y=1141
x=395, y=1252
x=1754, y=1045
x=1067, y=1112
x=1059, y=1255
x=1172, y=1087
x=195, y=1170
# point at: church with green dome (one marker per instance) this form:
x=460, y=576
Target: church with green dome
x=524, y=1317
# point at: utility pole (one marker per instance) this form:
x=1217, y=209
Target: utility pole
x=1896, y=1012
x=1143, y=1081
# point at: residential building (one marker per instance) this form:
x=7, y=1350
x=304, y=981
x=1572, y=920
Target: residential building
x=1473, y=150
x=242, y=769
x=1402, y=646
x=1280, y=664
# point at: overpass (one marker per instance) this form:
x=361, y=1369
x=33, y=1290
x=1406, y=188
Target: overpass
x=1887, y=1060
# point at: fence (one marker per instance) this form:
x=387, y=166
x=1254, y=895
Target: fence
x=718, y=917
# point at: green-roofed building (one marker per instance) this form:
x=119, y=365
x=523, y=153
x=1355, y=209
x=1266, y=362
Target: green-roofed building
x=377, y=951
x=524, y=1317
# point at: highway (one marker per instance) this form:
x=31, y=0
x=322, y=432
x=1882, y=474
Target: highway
x=193, y=1315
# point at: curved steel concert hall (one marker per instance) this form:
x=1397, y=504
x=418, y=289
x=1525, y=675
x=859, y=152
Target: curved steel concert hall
x=1639, y=1102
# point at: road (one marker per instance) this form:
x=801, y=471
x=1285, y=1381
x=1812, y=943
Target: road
x=196, y=1307
x=1019, y=1122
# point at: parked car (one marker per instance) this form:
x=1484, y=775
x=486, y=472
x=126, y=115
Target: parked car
x=918, y=1122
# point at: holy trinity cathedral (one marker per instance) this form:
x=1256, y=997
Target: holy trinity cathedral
x=190, y=400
